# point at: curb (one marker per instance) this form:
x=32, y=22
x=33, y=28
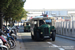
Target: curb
x=65, y=37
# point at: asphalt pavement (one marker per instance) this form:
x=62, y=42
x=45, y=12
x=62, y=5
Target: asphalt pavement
x=24, y=42
x=19, y=42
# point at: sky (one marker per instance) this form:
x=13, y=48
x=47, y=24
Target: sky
x=49, y=4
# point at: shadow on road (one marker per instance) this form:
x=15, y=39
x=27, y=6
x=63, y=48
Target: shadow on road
x=28, y=39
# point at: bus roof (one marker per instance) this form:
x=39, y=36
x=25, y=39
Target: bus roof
x=42, y=18
x=26, y=21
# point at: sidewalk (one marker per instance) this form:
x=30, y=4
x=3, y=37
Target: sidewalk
x=66, y=37
x=19, y=43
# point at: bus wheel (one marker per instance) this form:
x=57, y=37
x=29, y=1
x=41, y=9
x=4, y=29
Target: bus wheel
x=37, y=36
x=53, y=36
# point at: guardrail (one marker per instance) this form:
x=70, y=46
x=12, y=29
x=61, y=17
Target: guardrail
x=66, y=28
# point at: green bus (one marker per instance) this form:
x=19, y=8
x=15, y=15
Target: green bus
x=26, y=26
x=41, y=30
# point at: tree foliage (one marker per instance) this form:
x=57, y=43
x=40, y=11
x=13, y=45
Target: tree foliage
x=14, y=9
x=4, y=4
x=21, y=15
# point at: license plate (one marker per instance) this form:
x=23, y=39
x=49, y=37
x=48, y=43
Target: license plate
x=46, y=36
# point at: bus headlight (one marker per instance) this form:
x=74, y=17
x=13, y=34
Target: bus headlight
x=50, y=32
x=41, y=32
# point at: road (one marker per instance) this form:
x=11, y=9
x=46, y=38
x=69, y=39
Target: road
x=58, y=44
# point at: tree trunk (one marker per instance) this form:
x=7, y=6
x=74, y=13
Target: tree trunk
x=12, y=23
x=6, y=23
x=1, y=20
x=18, y=23
x=9, y=20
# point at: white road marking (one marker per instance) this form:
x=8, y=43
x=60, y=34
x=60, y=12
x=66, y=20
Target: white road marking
x=61, y=49
x=49, y=42
x=55, y=46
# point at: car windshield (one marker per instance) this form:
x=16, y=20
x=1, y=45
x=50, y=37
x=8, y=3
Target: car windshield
x=42, y=22
x=27, y=23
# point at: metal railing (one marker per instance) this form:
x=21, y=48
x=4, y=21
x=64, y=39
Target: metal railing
x=66, y=28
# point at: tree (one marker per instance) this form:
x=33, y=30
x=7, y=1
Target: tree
x=22, y=14
x=3, y=5
x=14, y=10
